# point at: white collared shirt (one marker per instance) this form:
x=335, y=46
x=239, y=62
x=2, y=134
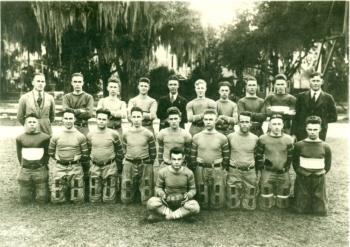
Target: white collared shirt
x=36, y=94
x=317, y=93
x=173, y=95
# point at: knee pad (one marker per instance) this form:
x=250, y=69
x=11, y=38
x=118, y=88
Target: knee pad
x=95, y=189
x=25, y=194
x=217, y=196
x=41, y=191
x=126, y=190
x=192, y=206
x=146, y=189
x=282, y=200
x=232, y=196
x=267, y=199
x=249, y=198
x=203, y=197
x=59, y=190
x=77, y=190
x=153, y=203
x=109, y=189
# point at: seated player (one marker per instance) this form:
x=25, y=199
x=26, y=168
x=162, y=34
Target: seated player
x=106, y=156
x=175, y=189
x=140, y=153
x=312, y=160
x=69, y=148
x=32, y=153
x=242, y=183
x=274, y=156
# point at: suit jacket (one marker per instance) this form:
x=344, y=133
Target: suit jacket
x=324, y=108
x=46, y=112
x=164, y=103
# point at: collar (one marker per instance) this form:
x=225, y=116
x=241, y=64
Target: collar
x=173, y=171
x=36, y=93
x=74, y=93
x=312, y=92
x=174, y=95
x=251, y=96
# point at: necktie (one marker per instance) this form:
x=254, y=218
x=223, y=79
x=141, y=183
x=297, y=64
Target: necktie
x=314, y=98
x=39, y=100
x=172, y=98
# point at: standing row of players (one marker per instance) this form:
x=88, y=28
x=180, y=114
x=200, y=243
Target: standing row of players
x=210, y=158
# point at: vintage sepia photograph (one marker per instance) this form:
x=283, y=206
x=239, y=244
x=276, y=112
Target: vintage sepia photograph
x=174, y=123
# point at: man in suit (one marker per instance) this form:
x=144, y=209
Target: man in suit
x=38, y=102
x=170, y=100
x=314, y=102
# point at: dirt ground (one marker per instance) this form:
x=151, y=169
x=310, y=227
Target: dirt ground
x=120, y=225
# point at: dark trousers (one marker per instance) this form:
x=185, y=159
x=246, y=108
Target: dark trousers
x=310, y=194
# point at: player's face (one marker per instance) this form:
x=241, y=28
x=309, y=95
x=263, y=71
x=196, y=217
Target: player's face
x=174, y=121
x=39, y=83
x=209, y=121
x=31, y=125
x=224, y=92
x=200, y=89
x=68, y=120
x=313, y=131
x=77, y=83
x=280, y=86
x=316, y=83
x=143, y=88
x=176, y=161
x=276, y=126
x=244, y=123
x=136, y=118
x=101, y=121
x=113, y=88
x=251, y=87
x=173, y=86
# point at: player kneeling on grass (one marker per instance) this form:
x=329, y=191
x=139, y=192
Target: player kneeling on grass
x=140, y=153
x=106, y=156
x=32, y=153
x=311, y=161
x=69, y=148
x=174, y=189
x=274, y=157
x=242, y=183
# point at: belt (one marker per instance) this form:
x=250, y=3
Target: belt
x=81, y=124
x=108, y=162
x=275, y=170
x=209, y=165
x=138, y=161
x=32, y=166
x=68, y=162
x=243, y=168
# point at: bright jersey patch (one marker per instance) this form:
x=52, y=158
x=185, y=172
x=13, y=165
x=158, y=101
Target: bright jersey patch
x=32, y=153
x=311, y=163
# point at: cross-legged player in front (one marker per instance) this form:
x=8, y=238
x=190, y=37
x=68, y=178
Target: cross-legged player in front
x=210, y=156
x=242, y=183
x=140, y=153
x=175, y=189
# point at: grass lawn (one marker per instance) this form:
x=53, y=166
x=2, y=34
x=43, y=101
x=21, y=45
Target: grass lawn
x=120, y=225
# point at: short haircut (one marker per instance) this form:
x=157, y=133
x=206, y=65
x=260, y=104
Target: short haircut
x=250, y=78
x=144, y=79
x=68, y=110
x=276, y=116
x=103, y=111
x=173, y=78
x=210, y=111
x=135, y=109
x=173, y=111
x=224, y=84
x=34, y=115
x=280, y=77
x=315, y=73
x=245, y=113
x=200, y=81
x=77, y=74
x=313, y=120
x=37, y=74
x=176, y=150
x=114, y=80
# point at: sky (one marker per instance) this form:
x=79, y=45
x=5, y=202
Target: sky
x=220, y=12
